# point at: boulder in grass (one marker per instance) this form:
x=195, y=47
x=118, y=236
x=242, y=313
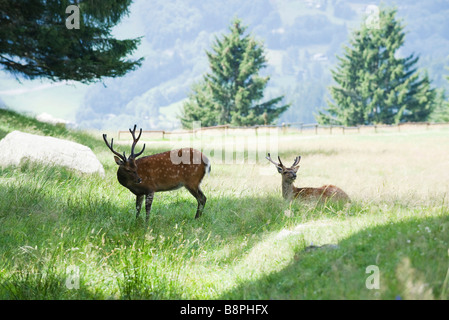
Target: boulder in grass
x=19, y=146
x=48, y=118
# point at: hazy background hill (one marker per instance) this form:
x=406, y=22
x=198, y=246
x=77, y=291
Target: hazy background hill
x=302, y=38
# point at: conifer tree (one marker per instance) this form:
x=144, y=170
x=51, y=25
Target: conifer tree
x=35, y=41
x=233, y=91
x=441, y=111
x=373, y=84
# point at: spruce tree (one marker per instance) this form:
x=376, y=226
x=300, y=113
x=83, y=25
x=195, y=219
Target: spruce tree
x=36, y=43
x=373, y=84
x=441, y=111
x=233, y=91
x=199, y=107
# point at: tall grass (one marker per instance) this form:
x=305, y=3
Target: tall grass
x=249, y=243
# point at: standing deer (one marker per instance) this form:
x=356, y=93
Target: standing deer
x=164, y=171
x=289, y=191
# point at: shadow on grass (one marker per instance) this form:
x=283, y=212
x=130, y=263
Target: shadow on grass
x=3, y=134
x=412, y=258
x=51, y=218
x=31, y=285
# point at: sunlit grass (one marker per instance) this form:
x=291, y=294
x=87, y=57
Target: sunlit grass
x=249, y=243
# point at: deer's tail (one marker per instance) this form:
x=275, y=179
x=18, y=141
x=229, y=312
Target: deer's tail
x=208, y=165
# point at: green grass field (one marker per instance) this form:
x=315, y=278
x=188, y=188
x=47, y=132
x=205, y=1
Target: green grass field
x=64, y=235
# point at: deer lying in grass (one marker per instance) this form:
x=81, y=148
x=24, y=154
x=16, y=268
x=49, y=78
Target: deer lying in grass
x=164, y=171
x=290, y=192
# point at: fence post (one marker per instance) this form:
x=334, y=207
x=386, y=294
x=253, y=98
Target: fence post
x=316, y=129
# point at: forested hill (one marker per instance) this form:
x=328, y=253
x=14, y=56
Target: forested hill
x=302, y=38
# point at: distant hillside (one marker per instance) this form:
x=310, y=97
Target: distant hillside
x=302, y=39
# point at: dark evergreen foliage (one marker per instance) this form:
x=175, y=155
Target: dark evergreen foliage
x=35, y=42
x=374, y=84
x=233, y=92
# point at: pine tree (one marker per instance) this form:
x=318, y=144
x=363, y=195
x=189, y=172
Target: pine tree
x=35, y=42
x=233, y=91
x=199, y=107
x=373, y=84
x=441, y=111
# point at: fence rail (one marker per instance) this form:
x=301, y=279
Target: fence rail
x=301, y=127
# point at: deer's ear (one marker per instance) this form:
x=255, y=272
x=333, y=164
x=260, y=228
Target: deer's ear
x=295, y=169
x=118, y=160
x=279, y=169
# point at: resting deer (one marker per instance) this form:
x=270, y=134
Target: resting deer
x=164, y=171
x=289, y=191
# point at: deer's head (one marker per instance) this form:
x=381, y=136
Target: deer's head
x=288, y=174
x=127, y=171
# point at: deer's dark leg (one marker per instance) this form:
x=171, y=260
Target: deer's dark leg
x=148, y=203
x=201, y=203
x=200, y=198
x=139, y=200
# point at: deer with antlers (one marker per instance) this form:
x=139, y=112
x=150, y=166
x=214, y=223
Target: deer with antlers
x=164, y=171
x=290, y=192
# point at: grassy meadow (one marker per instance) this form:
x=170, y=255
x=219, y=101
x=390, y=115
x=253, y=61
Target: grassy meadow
x=64, y=235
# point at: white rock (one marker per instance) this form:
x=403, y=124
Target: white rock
x=48, y=118
x=19, y=146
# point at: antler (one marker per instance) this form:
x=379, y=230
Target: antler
x=279, y=158
x=276, y=164
x=298, y=158
x=110, y=146
x=133, y=133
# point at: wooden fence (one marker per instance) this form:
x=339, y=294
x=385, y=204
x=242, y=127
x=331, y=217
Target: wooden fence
x=299, y=127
